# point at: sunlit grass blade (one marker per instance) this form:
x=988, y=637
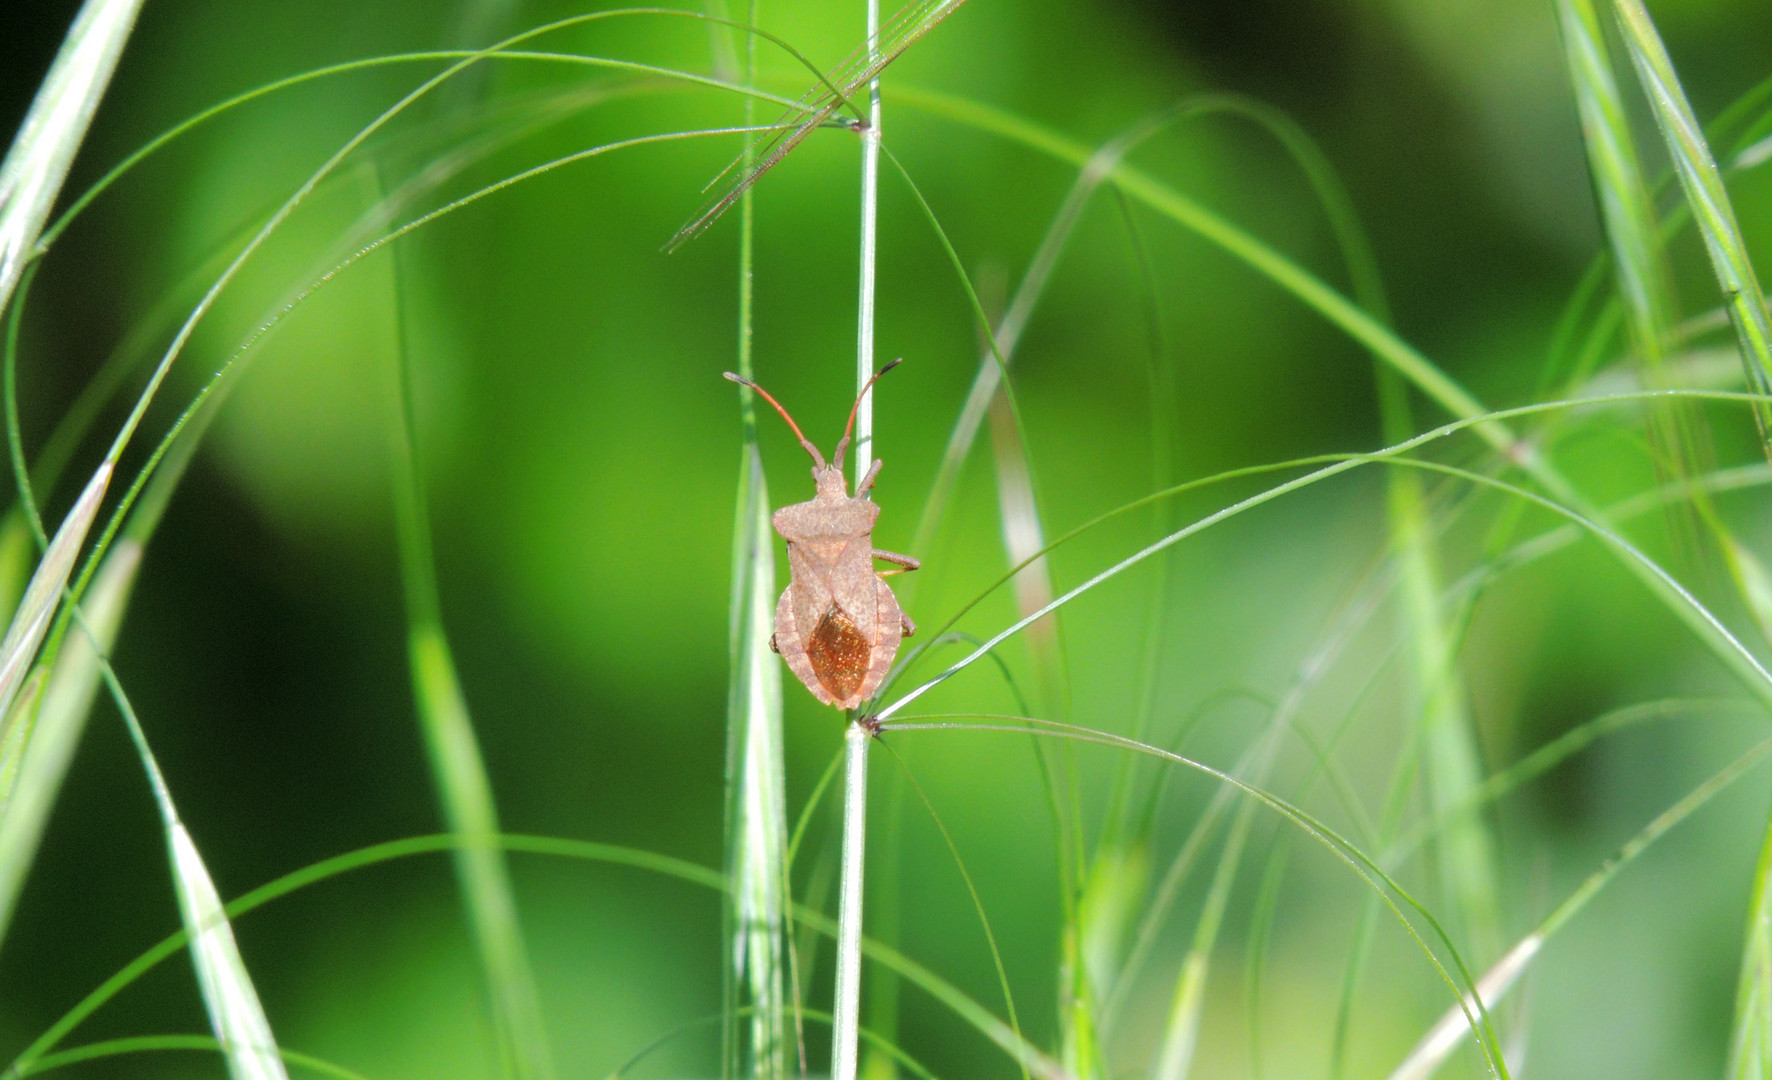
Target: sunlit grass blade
x=234, y=1009
x=885, y=43
x=31, y=175
x=61, y=718
x=457, y=768
x=1712, y=211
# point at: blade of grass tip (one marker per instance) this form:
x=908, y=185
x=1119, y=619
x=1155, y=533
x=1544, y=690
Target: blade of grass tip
x=32, y=174
x=1712, y=211
x=846, y=1000
x=61, y=718
x=235, y=1013
x=457, y=767
x=757, y=842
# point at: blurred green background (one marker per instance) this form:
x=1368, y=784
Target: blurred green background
x=580, y=449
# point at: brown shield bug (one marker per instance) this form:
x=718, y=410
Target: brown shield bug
x=837, y=624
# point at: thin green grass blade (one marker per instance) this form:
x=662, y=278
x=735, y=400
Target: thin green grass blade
x=1381, y=884
x=457, y=768
x=1711, y=209
x=1448, y=738
x=1350, y=318
x=757, y=838
x=31, y=175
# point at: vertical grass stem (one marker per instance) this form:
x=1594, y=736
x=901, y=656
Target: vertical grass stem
x=846, y=1010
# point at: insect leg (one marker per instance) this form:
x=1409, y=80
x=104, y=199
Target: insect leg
x=896, y=559
x=910, y=628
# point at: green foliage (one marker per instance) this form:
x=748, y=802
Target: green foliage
x=1368, y=637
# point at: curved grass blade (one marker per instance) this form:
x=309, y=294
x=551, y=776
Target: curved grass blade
x=31, y=175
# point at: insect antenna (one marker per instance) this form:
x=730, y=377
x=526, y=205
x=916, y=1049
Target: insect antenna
x=817, y=457
x=849, y=428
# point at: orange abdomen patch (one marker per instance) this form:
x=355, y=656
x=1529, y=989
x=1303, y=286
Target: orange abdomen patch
x=839, y=653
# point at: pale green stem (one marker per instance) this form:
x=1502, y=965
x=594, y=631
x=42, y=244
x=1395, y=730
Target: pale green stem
x=846, y=1010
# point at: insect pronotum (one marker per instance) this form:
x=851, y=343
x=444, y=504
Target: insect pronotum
x=837, y=624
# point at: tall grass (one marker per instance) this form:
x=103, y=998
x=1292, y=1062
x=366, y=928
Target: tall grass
x=1370, y=746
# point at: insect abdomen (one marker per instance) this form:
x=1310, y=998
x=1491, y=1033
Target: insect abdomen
x=839, y=653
